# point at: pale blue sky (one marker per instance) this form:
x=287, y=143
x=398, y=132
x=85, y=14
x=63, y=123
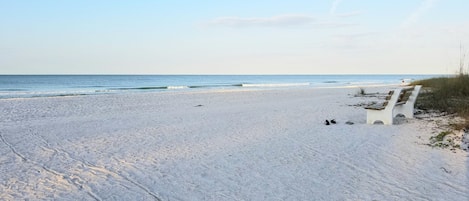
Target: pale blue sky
x=232, y=37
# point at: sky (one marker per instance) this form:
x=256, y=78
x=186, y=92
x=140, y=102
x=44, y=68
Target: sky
x=233, y=37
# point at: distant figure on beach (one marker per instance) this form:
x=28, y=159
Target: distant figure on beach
x=405, y=81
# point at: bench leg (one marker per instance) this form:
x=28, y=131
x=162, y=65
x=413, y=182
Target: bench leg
x=407, y=110
x=379, y=115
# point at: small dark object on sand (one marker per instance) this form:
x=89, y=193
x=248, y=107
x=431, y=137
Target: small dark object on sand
x=327, y=122
x=349, y=123
x=333, y=121
x=198, y=105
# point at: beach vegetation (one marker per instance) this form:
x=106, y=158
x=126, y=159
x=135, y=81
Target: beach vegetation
x=445, y=139
x=362, y=91
x=448, y=94
x=440, y=137
x=445, y=94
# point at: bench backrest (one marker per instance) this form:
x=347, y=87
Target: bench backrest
x=388, y=97
x=392, y=98
x=405, y=94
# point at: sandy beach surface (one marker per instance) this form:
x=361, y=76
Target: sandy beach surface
x=220, y=145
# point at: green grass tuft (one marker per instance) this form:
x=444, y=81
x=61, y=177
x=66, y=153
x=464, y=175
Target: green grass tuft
x=361, y=92
x=440, y=137
x=445, y=94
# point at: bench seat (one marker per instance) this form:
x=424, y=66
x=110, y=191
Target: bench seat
x=383, y=112
x=375, y=107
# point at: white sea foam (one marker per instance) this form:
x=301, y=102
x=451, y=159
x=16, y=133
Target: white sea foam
x=30, y=94
x=276, y=85
x=176, y=87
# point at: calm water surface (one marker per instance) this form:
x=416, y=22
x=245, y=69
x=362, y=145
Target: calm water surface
x=25, y=86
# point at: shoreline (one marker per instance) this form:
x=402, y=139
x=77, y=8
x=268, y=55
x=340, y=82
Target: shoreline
x=220, y=145
x=256, y=87
x=69, y=85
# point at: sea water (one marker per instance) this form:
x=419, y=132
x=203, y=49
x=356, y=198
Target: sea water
x=27, y=86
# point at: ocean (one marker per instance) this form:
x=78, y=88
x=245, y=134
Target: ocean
x=28, y=86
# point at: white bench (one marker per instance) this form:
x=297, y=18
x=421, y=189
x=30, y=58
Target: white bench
x=406, y=105
x=398, y=101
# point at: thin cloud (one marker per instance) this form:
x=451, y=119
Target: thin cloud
x=333, y=10
x=334, y=6
x=332, y=24
x=349, y=14
x=354, y=41
x=275, y=21
x=355, y=35
x=415, y=16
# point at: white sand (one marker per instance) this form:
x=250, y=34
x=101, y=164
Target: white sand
x=239, y=145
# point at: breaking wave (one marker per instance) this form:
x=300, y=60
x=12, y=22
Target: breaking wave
x=276, y=85
x=26, y=86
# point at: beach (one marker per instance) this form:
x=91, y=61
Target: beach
x=237, y=144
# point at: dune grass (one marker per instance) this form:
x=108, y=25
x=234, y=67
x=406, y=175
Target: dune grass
x=446, y=94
